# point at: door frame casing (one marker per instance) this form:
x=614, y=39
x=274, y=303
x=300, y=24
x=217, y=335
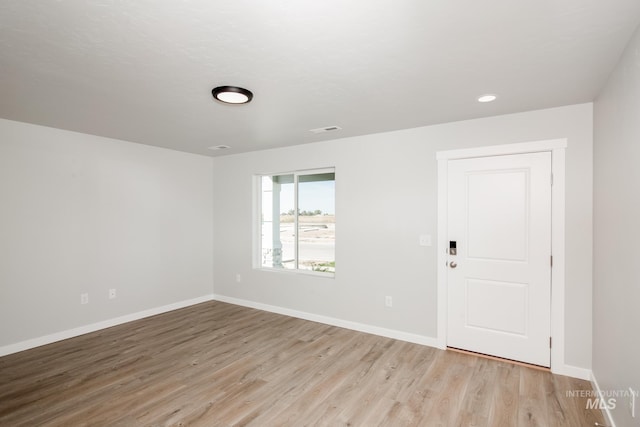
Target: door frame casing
x=557, y=149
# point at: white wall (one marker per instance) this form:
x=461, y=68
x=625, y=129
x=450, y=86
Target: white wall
x=386, y=193
x=80, y=213
x=616, y=343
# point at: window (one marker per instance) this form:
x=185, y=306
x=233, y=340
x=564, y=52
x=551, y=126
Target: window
x=297, y=221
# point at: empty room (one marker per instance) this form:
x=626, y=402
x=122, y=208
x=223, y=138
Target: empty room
x=235, y=213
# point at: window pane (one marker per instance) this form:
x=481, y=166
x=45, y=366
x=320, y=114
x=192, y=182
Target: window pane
x=316, y=222
x=277, y=250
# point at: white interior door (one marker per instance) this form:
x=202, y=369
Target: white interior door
x=499, y=280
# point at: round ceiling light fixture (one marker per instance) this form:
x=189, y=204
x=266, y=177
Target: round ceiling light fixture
x=489, y=97
x=232, y=94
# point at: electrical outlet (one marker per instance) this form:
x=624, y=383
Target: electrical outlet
x=238, y=278
x=388, y=301
x=112, y=293
x=424, y=240
x=84, y=298
x=632, y=402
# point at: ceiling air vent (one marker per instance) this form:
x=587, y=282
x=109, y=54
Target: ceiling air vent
x=325, y=129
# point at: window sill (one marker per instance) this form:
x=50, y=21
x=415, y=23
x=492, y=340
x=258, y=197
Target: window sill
x=298, y=272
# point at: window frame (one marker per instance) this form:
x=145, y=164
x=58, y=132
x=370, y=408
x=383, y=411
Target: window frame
x=258, y=223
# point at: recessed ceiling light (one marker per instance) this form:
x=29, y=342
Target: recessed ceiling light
x=219, y=147
x=232, y=94
x=325, y=129
x=487, y=98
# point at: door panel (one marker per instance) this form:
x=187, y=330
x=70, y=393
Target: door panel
x=499, y=215
x=511, y=318
x=497, y=227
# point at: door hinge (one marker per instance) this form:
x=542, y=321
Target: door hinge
x=549, y=342
x=551, y=260
x=551, y=179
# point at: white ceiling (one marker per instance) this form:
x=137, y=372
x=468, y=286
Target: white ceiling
x=143, y=71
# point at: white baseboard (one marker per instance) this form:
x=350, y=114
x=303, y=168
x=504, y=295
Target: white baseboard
x=567, y=370
x=360, y=327
x=63, y=335
x=609, y=421
x=572, y=371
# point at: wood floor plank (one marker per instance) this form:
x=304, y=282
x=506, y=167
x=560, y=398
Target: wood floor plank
x=478, y=399
x=532, y=410
x=217, y=364
x=447, y=406
x=504, y=411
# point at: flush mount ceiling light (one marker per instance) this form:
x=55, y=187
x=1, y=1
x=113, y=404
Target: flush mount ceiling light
x=487, y=98
x=232, y=94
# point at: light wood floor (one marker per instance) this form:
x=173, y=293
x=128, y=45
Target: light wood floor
x=217, y=364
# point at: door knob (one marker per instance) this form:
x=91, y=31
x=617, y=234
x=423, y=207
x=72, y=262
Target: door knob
x=453, y=264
